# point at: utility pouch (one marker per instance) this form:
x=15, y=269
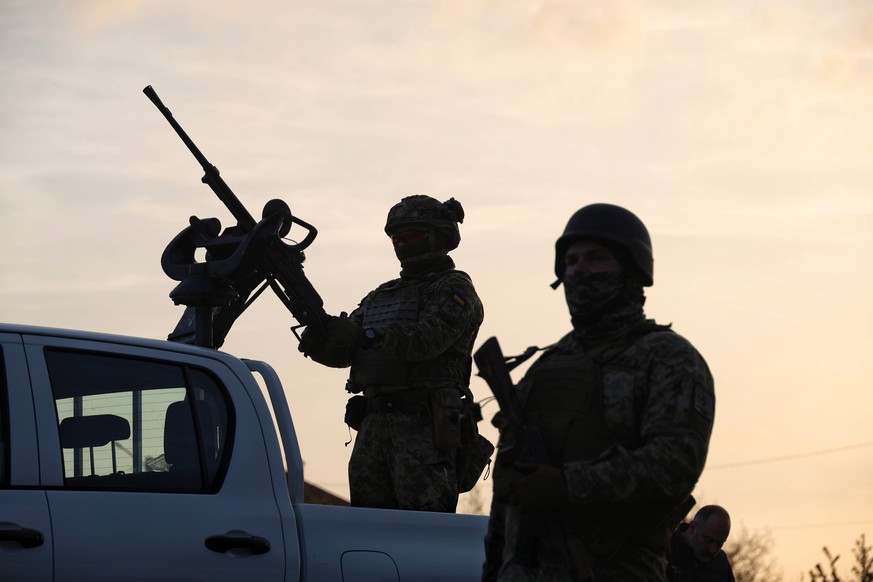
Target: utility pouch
x=474, y=453
x=353, y=388
x=356, y=410
x=445, y=408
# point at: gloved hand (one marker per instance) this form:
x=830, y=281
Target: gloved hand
x=337, y=347
x=343, y=331
x=311, y=341
x=541, y=490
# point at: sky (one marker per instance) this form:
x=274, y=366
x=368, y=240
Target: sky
x=740, y=132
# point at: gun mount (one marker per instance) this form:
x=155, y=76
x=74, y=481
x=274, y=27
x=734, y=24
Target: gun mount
x=240, y=262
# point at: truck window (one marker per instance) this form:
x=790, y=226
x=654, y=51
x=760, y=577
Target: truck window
x=140, y=425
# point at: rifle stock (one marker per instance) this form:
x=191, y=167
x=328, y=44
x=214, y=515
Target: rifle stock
x=527, y=447
x=528, y=444
x=238, y=261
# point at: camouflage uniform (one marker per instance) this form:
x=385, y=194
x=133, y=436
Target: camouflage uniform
x=625, y=408
x=409, y=344
x=428, y=326
x=656, y=409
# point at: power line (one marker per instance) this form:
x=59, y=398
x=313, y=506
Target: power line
x=823, y=525
x=790, y=457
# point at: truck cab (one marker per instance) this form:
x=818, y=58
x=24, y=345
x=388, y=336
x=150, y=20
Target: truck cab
x=127, y=458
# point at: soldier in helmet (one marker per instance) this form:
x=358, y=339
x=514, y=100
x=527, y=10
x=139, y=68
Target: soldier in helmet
x=625, y=408
x=409, y=345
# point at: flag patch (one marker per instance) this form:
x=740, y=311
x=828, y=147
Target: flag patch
x=453, y=307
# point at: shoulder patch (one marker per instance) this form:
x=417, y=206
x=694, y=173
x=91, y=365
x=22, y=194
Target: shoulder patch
x=453, y=307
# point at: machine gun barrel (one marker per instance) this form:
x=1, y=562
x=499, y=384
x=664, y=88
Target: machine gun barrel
x=211, y=175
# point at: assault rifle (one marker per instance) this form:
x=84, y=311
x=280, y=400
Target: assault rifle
x=527, y=447
x=240, y=259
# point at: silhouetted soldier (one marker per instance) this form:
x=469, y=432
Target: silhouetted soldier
x=409, y=344
x=625, y=407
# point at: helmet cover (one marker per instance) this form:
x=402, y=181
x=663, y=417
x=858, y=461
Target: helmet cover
x=420, y=210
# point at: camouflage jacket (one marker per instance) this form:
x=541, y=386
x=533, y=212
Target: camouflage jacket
x=656, y=402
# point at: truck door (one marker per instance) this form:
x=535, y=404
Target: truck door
x=154, y=466
x=25, y=528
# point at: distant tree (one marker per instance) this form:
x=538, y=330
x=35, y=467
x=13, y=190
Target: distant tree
x=862, y=570
x=751, y=561
x=818, y=574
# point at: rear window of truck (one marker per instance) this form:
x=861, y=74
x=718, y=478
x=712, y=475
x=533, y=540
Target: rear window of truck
x=135, y=424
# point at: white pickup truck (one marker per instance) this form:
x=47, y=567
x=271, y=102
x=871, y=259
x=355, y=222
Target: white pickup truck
x=133, y=459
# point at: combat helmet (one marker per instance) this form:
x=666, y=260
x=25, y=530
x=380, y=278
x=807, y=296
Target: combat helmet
x=614, y=225
x=419, y=209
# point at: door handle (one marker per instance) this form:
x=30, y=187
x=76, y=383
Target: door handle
x=28, y=538
x=236, y=539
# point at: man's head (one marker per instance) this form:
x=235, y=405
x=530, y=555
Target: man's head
x=708, y=531
x=604, y=259
x=585, y=256
x=614, y=228
x=422, y=227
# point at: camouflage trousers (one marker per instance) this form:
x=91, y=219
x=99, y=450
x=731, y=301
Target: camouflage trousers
x=395, y=465
x=629, y=563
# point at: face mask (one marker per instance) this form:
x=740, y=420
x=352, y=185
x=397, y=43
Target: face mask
x=590, y=295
